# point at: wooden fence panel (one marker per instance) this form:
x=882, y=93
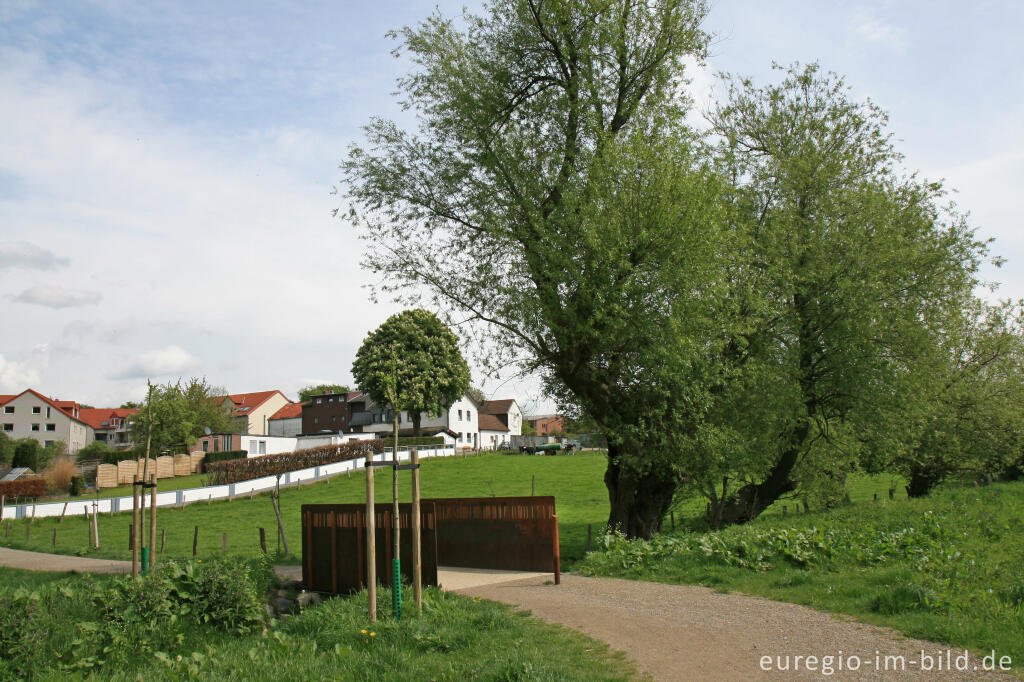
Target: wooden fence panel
x=195, y=461
x=182, y=465
x=126, y=470
x=334, y=546
x=165, y=467
x=106, y=476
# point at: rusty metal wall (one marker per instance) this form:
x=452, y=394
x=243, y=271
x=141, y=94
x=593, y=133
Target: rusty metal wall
x=510, y=533
x=334, y=545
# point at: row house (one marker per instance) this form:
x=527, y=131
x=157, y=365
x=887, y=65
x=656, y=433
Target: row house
x=31, y=414
x=110, y=425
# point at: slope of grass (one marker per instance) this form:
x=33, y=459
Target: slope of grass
x=947, y=568
x=575, y=481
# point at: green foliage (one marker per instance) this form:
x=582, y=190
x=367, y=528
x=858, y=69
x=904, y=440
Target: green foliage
x=223, y=456
x=27, y=454
x=77, y=486
x=6, y=449
x=97, y=449
x=180, y=412
x=24, y=487
x=942, y=568
x=307, y=392
x=412, y=362
x=425, y=440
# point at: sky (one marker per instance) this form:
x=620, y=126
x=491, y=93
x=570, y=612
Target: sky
x=166, y=169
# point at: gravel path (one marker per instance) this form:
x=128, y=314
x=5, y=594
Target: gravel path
x=680, y=632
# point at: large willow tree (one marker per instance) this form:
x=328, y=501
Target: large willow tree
x=552, y=194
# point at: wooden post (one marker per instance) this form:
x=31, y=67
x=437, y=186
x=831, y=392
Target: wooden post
x=54, y=543
x=152, y=522
x=371, y=543
x=588, y=538
x=195, y=542
x=3, y=501
x=62, y=512
x=533, y=484
x=96, y=524
x=163, y=539
x=135, y=526
x=396, y=548
x=558, y=556
x=131, y=536
x=263, y=539
x=417, y=542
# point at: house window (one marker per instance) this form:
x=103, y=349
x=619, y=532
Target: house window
x=206, y=446
x=252, y=447
x=8, y=409
x=331, y=399
x=35, y=427
x=36, y=409
x=334, y=417
x=8, y=427
x=227, y=442
x=263, y=447
x=469, y=416
x=319, y=400
x=47, y=412
x=51, y=427
x=316, y=420
x=47, y=443
x=460, y=415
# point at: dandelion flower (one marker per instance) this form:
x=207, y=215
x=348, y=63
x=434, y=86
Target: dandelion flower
x=363, y=631
x=373, y=634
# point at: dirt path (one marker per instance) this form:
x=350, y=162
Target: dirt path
x=679, y=632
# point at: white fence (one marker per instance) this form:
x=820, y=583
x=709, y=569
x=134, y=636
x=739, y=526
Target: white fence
x=111, y=505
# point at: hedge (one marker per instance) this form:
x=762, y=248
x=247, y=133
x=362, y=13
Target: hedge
x=29, y=487
x=234, y=470
x=411, y=441
x=222, y=456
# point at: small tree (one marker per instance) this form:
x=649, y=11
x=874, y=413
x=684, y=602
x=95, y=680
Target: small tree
x=412, y=362
x=6, y=449
x=26, y=454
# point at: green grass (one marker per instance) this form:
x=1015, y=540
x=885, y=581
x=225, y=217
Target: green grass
x=119, y=629
x=946, y=568
x=575, y=481
x=165, y=484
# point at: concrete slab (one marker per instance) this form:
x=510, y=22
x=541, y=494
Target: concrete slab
x=37, y=561
x=452, y=578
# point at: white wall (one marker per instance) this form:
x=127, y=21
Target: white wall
x=268, y=445
x=286, y=427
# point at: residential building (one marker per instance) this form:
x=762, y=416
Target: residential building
x=253, y=444
x=329, y=412
x=499, y=421
x=111, y=425
x=547, y=424
x=287, y=421
x=254, y=410
x=461, y=419
x=31, y=414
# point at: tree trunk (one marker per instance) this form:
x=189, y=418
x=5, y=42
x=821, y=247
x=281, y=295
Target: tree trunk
x=922, y=480
x=638, y=502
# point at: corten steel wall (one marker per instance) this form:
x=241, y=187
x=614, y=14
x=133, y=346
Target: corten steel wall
x=511, y=533
x=334, y=546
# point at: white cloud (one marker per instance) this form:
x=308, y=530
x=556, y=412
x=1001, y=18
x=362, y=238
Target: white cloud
x=29, y=256
x=56, y=297
x=15, y=377
x=161, y=362
x=874, y=30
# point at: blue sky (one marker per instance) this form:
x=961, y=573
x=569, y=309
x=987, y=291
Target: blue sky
x=166, y=169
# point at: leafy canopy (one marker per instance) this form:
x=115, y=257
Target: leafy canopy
x=307, y=392
x=412, y=362
x=181, y=411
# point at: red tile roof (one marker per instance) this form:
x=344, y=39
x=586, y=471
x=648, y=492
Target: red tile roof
x=95, y=417
x=60, y=405
x=488, y=422
x=289, y=411
x=6, y=398
x=251, y=400
x=496, y=406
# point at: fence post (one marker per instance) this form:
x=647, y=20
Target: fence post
x=163, y=539
x=62, y=511
x=135, y=526
x=96, y=523
x=263, y=539
x=588, y=538
x=54, y=536
x=371, y=543
x=195, y=541
x=417, y=552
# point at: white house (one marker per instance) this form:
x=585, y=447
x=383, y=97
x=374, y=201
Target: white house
x=287, y=421
x=32, y=415
x=499, y=421
x=461, y=420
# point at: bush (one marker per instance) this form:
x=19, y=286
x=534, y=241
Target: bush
x=58, y=476
x=28, y=487
x=6, y=449
x=77, y=485
x=95, y=450
x=26, y=454
x=223, y=456
x=235, y=470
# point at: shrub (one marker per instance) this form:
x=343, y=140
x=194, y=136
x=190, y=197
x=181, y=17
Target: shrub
x=95, y=450
x=223, y=456
x=235, y=470
x=28, y=487
x=21, y=635
x=6, y=449
x=77, y=485
x=58, y=476
x=26, y=454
